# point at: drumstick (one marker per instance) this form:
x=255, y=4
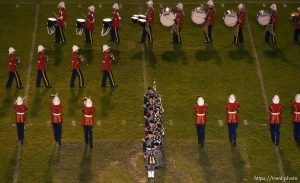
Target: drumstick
x=54, y=13
x=83, y=14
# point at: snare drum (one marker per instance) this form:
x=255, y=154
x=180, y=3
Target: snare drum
x=51, y=22
x=230, y=18
x=167, y=17
x=295, y=17
x=106, y=22
x=263, y=17
x=134, y=18
x=142, y=22
x=141, y=16
x=80, y=23
x=199, y=15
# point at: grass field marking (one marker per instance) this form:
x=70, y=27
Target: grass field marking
x=17, y=166
x=123, y=122
x=245, y=122
x=220, y=122
x=264, y=5
x=28, y=76
x=79, y=5
x=13, y=124
x=284, y=5
x=17, y=5
x=263, y=91
x=73, y=123
x=48, y=123
x=170, y=122
x=100, y=5
x=144, y=67
x=222, y=5
x=98, y=123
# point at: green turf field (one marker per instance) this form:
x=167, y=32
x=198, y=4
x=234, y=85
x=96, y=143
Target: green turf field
x=182, y=72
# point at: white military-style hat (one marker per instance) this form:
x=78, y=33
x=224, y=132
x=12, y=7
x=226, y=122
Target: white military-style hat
x=116, y=6
x=241, y=6
x=179, y=6
x=231, y=98
x=276, y=99
x=105, y=47
x=11, y=50
x=41, y=48
x=210, y=3
x=91, y=8
x=55, y=100
x=19, y=101
x=88, y=102
x=297, y=98
x=200, y=101
x=75, y=48
x=273, y=7
x=61, y=5
x=149, y=3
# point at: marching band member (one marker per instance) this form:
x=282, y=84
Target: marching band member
x=115, y=25
x=275, y=119
x=232, y=118
x=270, y=30
x=207, y=29
x=148, y=148
x=56, y=109
x=296, y=118
x=149, y=22
x=89, y=25
x=107, y=59
x=20, y=118
x=76, y=61
x=88, y=121
x=200, y=119
x=13, y=61
x=41, y=67
x=178, y=24
x=297, y=26
x=61, y=23
x=238, y=34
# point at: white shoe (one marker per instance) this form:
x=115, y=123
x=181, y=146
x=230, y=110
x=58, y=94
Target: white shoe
x=152, y=174
x=149, y=174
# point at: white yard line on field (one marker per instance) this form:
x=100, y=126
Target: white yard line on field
x=144, y=60
x=263, y=91
x=19, y=153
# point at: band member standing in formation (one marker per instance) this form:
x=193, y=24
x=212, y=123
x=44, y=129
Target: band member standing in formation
x=149, y=22
x=88, y=121
x=20, y=118
x=238, y=34
x=207, y=29
x=41, y=67
x=296, y=118
x=89, y=25
x=275, y=119
x=61, y=23
x=297, y=26
x=270, y=30
x=178, y=24
x=107, y=59
x=200, y=119
x=13, y=61
x=232, y=118
x=56, y=109
x=115, y=25
x=76, y=61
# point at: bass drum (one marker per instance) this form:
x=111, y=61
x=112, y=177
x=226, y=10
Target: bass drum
x=263, y=17
x=230, y=18
x=199, y=15
x=79, y=26
x=51, y=24
x=167, y=17
x=134, y=18
x=106, y=26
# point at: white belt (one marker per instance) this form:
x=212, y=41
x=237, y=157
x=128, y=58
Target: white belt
x=275, y=113
x=149, y=149
x=20, y=112
x=88, y=116
x=231, y=112
x=297, y=112
x=200, y=114
x=56, y=114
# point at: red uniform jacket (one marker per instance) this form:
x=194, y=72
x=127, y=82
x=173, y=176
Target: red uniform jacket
x=297, y=24
x=20, y=113
x=275, y=116
x=150, y=16
x=241, y=20
x=75, y=61
x=106, y=61
x=12, y=63
x=61, y=18
x=273, y=18
x=296, y=114
x=90, y=21
x=211, y=16
x=200, y=117
x=56, y=113
x=179, y=19
x=232, y=113
x=88, y=119
x=41, y=61
x=116, y=19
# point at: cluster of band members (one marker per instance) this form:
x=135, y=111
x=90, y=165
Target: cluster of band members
x=232, y=119
x=170, y=18
x=154, y=131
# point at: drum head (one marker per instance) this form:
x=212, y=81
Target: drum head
x=80, y=20
x=142, y=16
x=107, y=20
x=230, y=18
x=52, y=19
x=263, y=17
x=167, y=18
x=198, y=15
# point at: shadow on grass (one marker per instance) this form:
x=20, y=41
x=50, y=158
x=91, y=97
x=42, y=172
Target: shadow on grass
x=276, y=53
x=85, y=174
x=177, y=54
x=116, y=52
x=147, y=54
x=240, y=54
x=105, y=101
x=9, y=174
x=87, y=53
x=53, y=163
x=206, y=165
x=7, y=102
x=239, y=164
x=55, y=55
x=37, y=102
x=75, y=97
x=287, y=165
x=209, y=54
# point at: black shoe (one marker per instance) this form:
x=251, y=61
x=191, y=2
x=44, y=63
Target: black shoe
x=91, y=146
x=234, y=143
x=82, y=87
x=202, y=144
x=21, y=87
x=276, y=144
x=116, y=85
x=49, y=86
x=22, y=142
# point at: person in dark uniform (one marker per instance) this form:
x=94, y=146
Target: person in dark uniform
x=178, y=24
x=296, y=118
x=89, y=25
x=20, y=118
x=275, y=119
x=13, y=61
x=297, y=26
x=238, y=34
x=115, y=25
x=232, y=118
x=200, y=119
x=88, y=121
x=76, y=61
x=61, y=23
x=107, y=59
x=41, y=67
x=56, y=109
x=149, y=22
x=207, y=29
x=270, y=31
